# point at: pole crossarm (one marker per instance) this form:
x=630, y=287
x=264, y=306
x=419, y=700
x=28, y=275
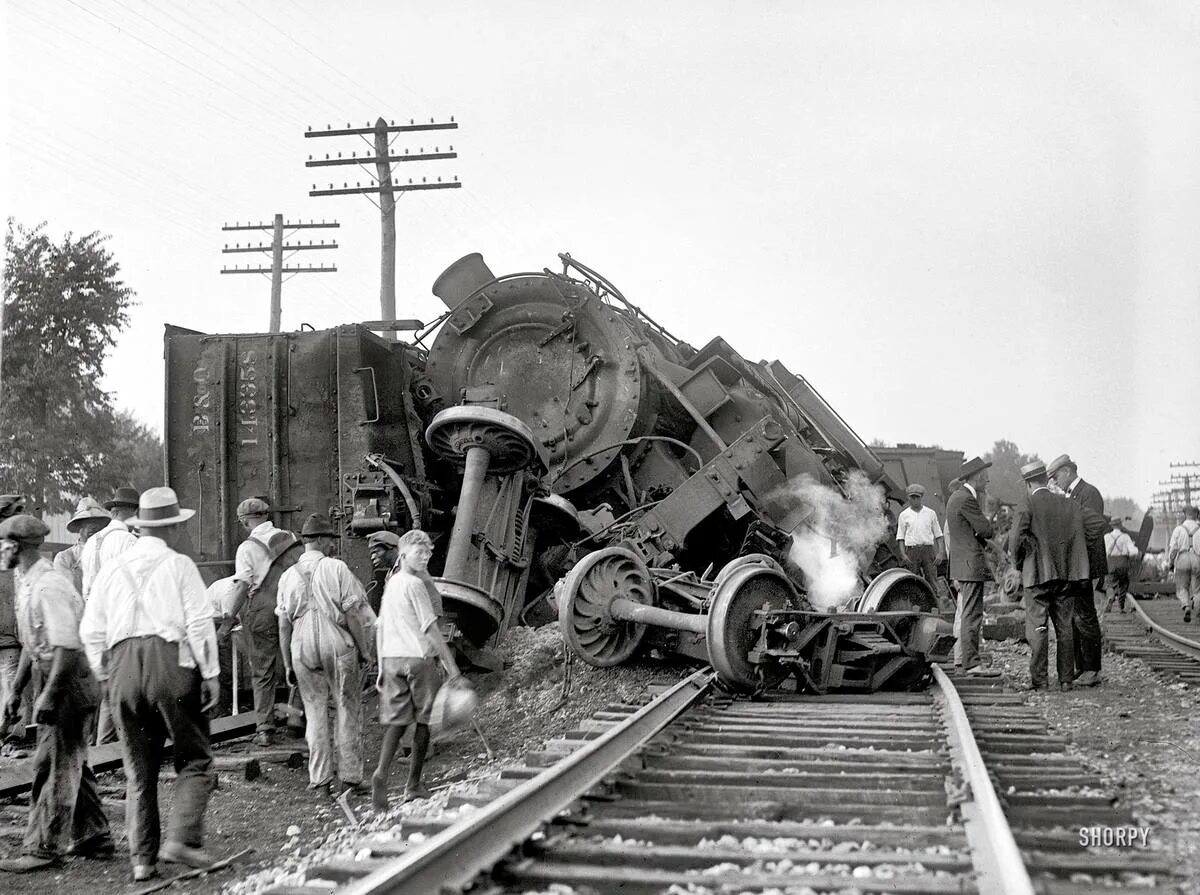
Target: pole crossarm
x=287, y=247
x=397, y=188
x=365, y=159
x=297, y=269
x=348, y=131
x=298, y=225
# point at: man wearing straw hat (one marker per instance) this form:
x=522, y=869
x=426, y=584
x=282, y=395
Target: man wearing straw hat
x=326, y=634
x=89, y=518
x=969, y=531
x=65, y=814
x=148, y=630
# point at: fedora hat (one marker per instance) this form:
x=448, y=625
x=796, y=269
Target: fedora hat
x=123, y=497
x=1058, y=463
x=1034, y=470
x=159, y=507
x=972, y=466
x=88, y=508
x=315, y=525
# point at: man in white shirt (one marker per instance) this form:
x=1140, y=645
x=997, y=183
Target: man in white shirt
x=112, y=540
x=326, y=634
x=1183, y=557
x=1121, y=552
x=148, y=631
x=65, y=812
x=407, y=642
x=919, y=536
x=255, y=605
x=89, y=519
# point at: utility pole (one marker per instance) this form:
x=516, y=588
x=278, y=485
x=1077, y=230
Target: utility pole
x=1191, y=471
x=277, y=247
x=384, y=184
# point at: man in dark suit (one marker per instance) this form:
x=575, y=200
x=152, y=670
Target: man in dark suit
x=1088, y=647
x=968, y=530
x=1046, y=541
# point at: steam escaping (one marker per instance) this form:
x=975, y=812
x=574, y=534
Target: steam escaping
x=833, y=537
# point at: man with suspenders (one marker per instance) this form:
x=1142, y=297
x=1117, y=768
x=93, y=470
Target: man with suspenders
x=148, y=632
x=264, y=544
x=326, y=634
x=1183, y=557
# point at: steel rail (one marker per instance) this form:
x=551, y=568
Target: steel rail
x=999, y=867
x=474, y=844
x=1177, y=642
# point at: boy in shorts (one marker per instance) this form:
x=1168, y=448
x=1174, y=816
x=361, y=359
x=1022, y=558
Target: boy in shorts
x=408, y=645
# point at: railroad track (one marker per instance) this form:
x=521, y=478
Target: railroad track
x=1156, y=633
x=960, y=788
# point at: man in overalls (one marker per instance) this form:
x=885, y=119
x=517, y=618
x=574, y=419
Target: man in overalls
x=326, y=635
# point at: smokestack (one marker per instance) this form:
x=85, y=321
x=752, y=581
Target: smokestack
x=460, y=279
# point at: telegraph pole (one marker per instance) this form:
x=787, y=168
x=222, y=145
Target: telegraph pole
x=277, y=247
x=385, y=185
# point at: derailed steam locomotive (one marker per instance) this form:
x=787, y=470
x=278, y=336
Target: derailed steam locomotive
x=565, y=451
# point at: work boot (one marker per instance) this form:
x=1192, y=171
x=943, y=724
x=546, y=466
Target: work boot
x=27, y=864
x=143, y=872
x=265, y=738
x=1088, y=679
x=96, y=848
x=178, y=853
x=1187, y=615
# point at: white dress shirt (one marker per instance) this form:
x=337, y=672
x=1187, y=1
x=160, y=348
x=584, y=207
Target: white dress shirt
x=150, y=591
x=1183, y=539
x=112, y=540
x=1119, y=543
x=918, y=528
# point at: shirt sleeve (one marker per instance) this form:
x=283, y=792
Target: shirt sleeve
x=197, y=617
x=59, y=605
x=935, y=525
x=350, y=589
x=243, y=563
x=902, y=526
x=287, y=596
x=422, y=611
x=93, y=629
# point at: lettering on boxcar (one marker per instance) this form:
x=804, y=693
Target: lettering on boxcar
x=201, y=400
x=247, y=400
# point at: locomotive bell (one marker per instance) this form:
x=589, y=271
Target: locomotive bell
x=461, y=278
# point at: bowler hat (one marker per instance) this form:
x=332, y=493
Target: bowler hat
x=253, y=506
x=123, y=497
x=915, y=489
x=1034, y=470
x=159, y=507
x=383, y=539
x=315, y=525
x=1058, y=463
x=11, y=504
x=972, y=466
x=88, y=508
x=24, y=527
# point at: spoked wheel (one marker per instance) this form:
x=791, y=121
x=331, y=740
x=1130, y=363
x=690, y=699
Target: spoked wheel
x=732, y=633
x=898, y=590
x=583, y=606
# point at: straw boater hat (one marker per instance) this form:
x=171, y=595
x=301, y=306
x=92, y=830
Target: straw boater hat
x=1033, y=470
x=123, y=497
x=915, y=488
x=972, y=466
x=88, y=508
x=159, y=507
x=1058, y=463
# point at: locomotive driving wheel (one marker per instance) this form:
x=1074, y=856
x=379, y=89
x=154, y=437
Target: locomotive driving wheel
x=583, y=605
x=732, y=628
x=509, y=443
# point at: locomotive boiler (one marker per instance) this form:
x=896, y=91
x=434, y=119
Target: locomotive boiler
x=568, y=454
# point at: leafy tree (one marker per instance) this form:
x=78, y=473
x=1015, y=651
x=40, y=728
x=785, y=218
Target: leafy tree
x=1005, y=482
x=64, y=305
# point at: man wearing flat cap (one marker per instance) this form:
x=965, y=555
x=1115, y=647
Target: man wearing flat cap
x=1046, y=543
x=148, y=630
x=326, y=635
x=919, y=536
x=1088, y=637
x=66, y=815
x=89, y=518
x=969, y=531
x=382, y=547
x=264, y=545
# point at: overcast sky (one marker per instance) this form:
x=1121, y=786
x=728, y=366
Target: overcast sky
x=961, y=221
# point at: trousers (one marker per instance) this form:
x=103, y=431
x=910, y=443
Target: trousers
x=1187, y=580
x=921, y=558
x=337, y=680
x=1053, y=603
x=262, y=629
x=64, y=805
x=1087, y=627
x=153, y=698
x=968, y=623
x=10, y=659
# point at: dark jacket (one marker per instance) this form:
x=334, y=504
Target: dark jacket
x=967, y=529
x=1046, y=540
x=1095, y=527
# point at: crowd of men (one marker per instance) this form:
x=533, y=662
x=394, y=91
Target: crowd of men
x=1065, y=553
x=119, y=638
